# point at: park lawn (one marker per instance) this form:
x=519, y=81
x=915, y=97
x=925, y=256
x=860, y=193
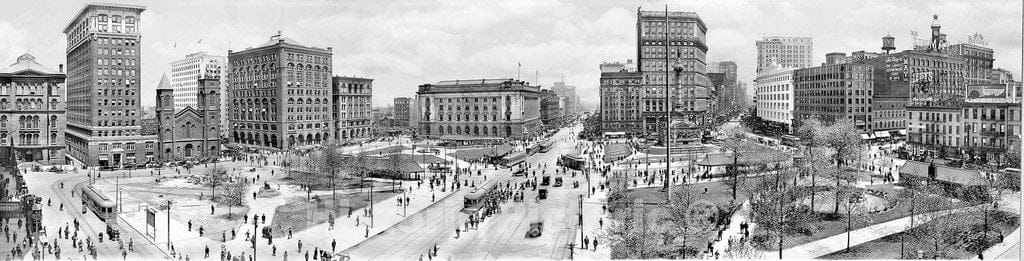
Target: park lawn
x=299, y=213
x=470, y=154
x=424, y=159
x=718, y=192
x=823, y=228
x=386, y=150
x=889, y=247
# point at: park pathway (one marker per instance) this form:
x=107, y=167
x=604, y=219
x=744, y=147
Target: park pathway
x=837, y=242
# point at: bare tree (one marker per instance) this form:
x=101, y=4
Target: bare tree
x=850, y=199
x=811, y=130
x=739, y=149
x=771, y=204
x=984, y=202
x=330, y=161
x=690, y=215
x=629, y=233
x=215, y=176
x=234, y=194
x=307, y=175
x=942, y=229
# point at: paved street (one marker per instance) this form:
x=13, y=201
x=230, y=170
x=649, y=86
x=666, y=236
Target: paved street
x=502, y=235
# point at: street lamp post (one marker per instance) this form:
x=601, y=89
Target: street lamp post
x=168, y=223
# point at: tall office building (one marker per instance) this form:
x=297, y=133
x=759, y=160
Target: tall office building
x=790, y=51
x=401, y=110
x=621, y=99
x=280, y=95
x=352, y=98
x=774, y=90
x=833, y=92
x=570, y=101
x=671, y=48
x=185, y=75
x=103, y=111
x=725, y=94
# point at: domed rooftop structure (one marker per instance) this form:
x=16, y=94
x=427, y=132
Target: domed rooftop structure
x=27, y=63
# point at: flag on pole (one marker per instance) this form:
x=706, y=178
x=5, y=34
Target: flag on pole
x=200, y=41
x=175, y=45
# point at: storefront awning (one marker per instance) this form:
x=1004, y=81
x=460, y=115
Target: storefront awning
x=104, y=157
x=865, y=136
x=903, y=132
x=881, y=134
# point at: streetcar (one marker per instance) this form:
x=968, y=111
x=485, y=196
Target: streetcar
x=546, y=146
x=101, y=206
x=474, y=201
x=533, y=149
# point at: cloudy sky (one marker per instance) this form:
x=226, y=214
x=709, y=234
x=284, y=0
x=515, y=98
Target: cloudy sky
x=405, y=43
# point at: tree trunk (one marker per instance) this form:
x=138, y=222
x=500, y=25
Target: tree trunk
x=735, y=173
x=813, y=192
x=849, y=224
x=836, y=209
x=902, y=243
x=685, y=230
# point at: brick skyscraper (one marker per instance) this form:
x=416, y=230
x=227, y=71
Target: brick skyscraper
x=673, y=53
x=280, y=95
x=103, y=94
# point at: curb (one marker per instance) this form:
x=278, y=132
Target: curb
x=395, y=224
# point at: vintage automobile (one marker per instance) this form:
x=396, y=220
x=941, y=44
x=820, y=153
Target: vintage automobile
x=558, y=182
x=536, y=229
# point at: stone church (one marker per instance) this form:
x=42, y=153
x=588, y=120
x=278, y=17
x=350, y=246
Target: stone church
x=191, y=133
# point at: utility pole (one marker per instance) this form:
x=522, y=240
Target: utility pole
x=168, y=223
x=581, y=221
x=254, y=225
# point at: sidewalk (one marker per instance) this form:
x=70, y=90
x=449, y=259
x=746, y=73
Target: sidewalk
x=733, y=231
x=592, y=228
x=997, y=251
x=838, y=242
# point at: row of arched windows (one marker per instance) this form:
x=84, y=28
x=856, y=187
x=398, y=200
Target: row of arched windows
x=254, y=109
x=471, y=130
x=29, y=104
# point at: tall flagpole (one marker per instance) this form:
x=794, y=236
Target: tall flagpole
x=519, y=66
x=668, y=117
